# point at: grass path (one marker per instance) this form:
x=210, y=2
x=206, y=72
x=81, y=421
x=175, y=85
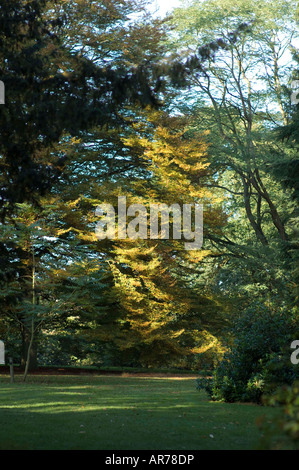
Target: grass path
x=122, y=413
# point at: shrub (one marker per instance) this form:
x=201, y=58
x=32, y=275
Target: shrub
x=259, y=359
x=283, y=432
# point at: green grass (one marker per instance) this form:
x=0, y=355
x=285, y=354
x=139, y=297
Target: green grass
x=122, y=413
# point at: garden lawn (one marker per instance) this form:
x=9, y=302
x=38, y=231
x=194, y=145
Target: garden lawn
x=122, y=413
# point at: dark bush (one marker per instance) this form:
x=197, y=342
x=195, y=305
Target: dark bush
x=259, y=359
x=282, y=433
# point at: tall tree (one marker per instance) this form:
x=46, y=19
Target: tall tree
x=161, y=320
x=62, y=80
x=238, y=93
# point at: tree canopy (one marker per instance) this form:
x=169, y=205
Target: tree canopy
x=105, y=101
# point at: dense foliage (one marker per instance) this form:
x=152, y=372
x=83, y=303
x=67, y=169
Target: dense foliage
x=103, y=100
x=258, y=362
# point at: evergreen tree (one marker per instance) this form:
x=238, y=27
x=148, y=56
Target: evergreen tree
x=60, y=82
x=53, y=88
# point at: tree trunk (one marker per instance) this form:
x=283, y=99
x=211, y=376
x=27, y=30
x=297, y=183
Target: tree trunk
x=31, y=346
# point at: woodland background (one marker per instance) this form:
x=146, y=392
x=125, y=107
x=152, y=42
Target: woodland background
x=105, y=99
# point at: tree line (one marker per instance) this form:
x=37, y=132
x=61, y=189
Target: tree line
x=104, y=100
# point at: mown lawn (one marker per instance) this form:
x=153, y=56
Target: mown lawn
x=122, y=413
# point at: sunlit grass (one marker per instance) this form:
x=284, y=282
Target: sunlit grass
x=96, y=412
